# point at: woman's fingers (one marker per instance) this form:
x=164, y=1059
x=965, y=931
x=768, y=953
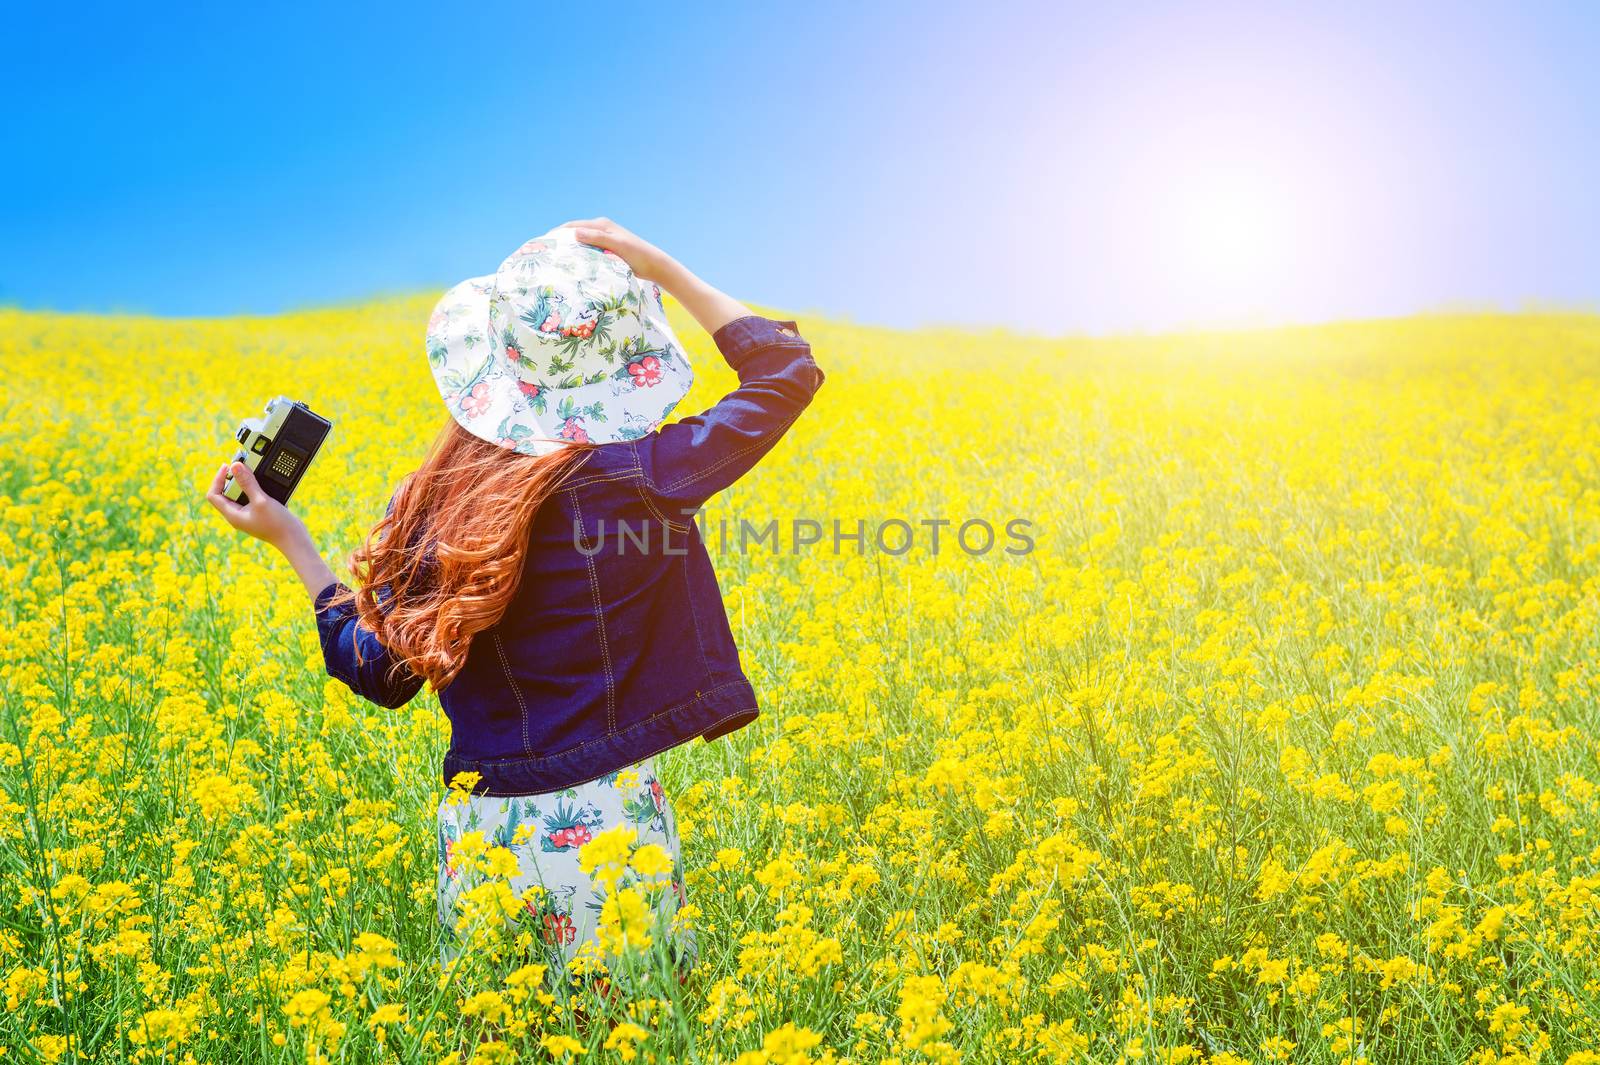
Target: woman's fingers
x=599, y=238
x=214, y=493
x=601, y=232
x=225, y=506
x=589, y=228
x=243, y=477
x=246, y=478
x=646, y=260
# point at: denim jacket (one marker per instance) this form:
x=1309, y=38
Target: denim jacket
x=616, y=645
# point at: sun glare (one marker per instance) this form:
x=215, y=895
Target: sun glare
x=1222, y=223
x=1229, y=239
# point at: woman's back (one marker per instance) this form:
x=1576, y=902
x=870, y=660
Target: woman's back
x=616, y=644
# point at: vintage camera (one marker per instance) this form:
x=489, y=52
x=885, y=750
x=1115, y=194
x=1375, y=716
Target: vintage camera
x=278, y=446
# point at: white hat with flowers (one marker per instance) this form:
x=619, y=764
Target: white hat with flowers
x=562, y=343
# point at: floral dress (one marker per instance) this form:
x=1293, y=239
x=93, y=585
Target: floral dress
x=546, y=833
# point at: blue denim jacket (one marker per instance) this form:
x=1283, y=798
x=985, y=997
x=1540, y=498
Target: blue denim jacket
x=616, y=645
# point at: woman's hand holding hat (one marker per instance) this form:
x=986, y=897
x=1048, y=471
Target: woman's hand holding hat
x=710, y=307
x=648, y=262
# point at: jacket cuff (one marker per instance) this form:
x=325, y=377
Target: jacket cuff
x=320, y=601
x=741, y=338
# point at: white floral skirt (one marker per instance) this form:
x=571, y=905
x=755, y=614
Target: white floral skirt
x=564, y=906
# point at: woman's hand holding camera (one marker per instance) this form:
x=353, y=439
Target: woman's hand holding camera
x=269, y=520
x=262, y=517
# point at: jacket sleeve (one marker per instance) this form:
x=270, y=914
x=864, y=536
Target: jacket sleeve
x=341, y=633
x=689, y=461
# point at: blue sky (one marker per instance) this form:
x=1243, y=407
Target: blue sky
x=1060, y=168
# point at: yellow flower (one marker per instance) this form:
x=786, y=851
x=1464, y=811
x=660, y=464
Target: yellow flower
x=23, y=986
x=487, y=1005
x=373, y=949
x=51, y=1047
x=502, y=862
x=921, y=1021
x=218, y=796
x=625, y=1038
x=461, y=785
x=306, y=1006
x=625, y=922
x=786, y=1045
x=561, y=1047
x=605, y=856
x=162, y=1027
x=493, y=1052
x=388, y=1013
x=652, y=860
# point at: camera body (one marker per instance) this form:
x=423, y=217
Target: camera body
x=278, y=446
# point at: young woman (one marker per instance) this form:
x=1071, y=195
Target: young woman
x=543, y=570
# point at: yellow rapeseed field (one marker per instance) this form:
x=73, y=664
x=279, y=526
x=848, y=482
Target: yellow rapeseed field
x=1282, y=743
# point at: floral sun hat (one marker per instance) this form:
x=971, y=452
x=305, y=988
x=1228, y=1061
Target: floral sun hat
x=562, y=343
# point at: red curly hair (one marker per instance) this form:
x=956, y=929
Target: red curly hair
x=450, y=550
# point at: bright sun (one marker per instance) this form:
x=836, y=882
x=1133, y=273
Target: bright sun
x=1229, y=237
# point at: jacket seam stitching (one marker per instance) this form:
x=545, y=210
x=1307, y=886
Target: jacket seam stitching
x=650, y=504
x=728, y=717
x=511, y=682
x=600, y=622
x=597, y=478
x=694, y=612
x=562, y=754
x=715, y=466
